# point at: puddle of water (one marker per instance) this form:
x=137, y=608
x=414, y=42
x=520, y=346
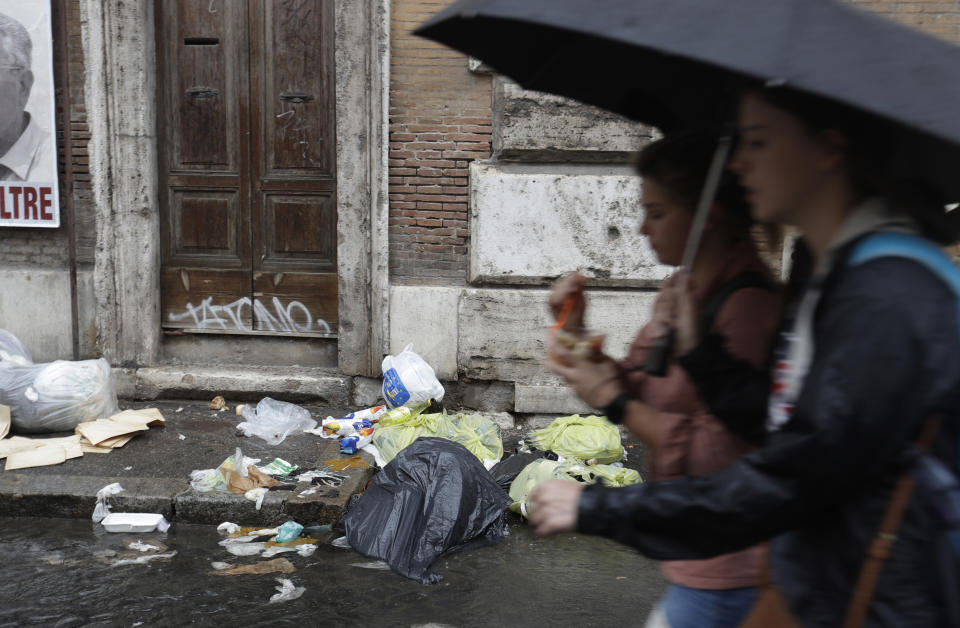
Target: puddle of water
x=62, y=572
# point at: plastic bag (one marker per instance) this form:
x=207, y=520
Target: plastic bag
x=12, y=351
x=58, y=396
x=409, y=380
x=102, y=509
x=273, y=420
x=579, y=437
x=432, y=499
x=478, y=434
x=540, y=471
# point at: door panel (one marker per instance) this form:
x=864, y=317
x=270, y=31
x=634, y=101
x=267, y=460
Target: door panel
x=206, y=300
x=300, y=231
x=248, y=177
x=297, y=88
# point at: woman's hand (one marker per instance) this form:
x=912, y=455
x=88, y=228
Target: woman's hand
x=595, y=379
x=569, y=287
x=554, y=506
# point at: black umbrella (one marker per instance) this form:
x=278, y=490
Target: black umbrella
x=669, y=63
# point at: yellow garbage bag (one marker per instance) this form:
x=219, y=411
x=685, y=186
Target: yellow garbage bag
x=579, y=437
x=478, y=434
x=539, y=471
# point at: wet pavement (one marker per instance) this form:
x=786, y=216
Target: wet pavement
x=65, y=572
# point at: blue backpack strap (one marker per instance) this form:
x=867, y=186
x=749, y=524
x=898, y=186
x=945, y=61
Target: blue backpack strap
x=930, y=256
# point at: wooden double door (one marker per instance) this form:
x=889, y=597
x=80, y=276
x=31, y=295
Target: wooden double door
x=247, y=166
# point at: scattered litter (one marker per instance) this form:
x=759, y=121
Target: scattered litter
x=140, y=546
x=264, y=532
x=144, y=559
x=321, y=529
x=228, y=528
x=307, y=549
x=135, y=522
x=277, y=549
x=376, y=564
x=181, y=437
x=220, y=565
x=341, y=542
x=127, y=468
x=246, y=549
x=352, y=444
x=409, y=380
x=286, y=591
x=4, y=418
x=205, y=480
x=280, y=467
x=309, y=491
x=288, y=531
x=273, y=420
x=322, y=477
x=360, y=422
x=180, y=409
x=102, y=509
x=277, y=565
x=256, y=495
x=243, y=476
x=218, y=403
x=341, y=464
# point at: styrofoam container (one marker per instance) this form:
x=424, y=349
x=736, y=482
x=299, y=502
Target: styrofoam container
x=134, y=522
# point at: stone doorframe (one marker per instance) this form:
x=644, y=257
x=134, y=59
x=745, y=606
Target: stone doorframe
x=120, y=54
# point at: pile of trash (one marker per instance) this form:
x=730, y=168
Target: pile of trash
x=443, y=484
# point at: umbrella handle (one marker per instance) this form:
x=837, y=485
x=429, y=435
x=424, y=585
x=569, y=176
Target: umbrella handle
x=706, y=200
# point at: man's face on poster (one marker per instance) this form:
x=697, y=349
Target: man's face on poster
x=15, y=84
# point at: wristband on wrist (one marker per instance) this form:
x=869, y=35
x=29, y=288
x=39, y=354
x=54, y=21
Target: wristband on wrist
x=614, y=410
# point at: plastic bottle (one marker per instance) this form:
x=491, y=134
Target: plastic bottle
x=403, y=412
x=351, y=444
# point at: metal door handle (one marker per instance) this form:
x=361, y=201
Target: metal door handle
x=296, y=97
x=202, y=92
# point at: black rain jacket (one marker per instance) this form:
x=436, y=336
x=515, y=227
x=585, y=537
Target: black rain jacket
x=886, y=356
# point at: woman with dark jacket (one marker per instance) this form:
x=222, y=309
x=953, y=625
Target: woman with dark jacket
x=867, y=354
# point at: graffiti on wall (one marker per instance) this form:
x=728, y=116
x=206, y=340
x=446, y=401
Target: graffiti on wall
x=293, y=317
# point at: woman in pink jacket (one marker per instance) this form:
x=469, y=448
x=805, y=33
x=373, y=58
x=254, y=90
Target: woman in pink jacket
x=732, y=284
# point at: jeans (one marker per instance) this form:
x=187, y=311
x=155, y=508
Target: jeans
x=684, y=607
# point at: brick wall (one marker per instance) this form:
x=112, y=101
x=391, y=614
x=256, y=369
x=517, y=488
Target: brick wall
x=47, y=248
x=440, y=115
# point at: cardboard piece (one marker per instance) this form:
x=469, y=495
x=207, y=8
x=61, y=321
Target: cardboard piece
x=147, y=416
x=17, y=444
x=104, y=429
x=36, y=457
x=4, y=420
x=14, y=444
x=93, y=449
x=116, y=441
x=281, y=565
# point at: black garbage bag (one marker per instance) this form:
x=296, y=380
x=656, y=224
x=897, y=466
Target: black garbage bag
x=434, y=498
x=505, y=471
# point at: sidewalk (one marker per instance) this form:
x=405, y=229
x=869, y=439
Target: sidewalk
x=154, y=470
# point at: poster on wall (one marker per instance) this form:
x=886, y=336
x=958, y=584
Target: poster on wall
x=29, y=195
